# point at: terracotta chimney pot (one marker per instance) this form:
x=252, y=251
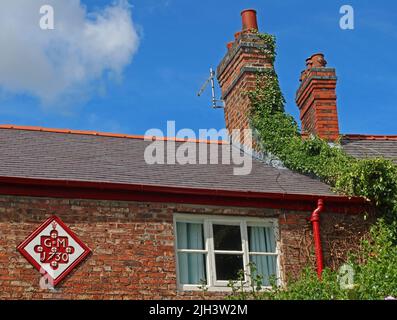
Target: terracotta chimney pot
x=249, y=20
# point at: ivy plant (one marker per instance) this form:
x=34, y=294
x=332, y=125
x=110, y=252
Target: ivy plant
x=279, y=136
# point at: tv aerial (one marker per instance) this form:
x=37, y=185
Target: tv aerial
x=216, y=103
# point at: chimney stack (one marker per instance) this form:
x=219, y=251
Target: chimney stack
x=238, y=70
x=316, y=99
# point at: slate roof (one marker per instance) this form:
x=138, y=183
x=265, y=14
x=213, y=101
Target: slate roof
x=364, y=146
x=72, y=156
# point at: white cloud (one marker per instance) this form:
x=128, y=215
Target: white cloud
x=60, y=64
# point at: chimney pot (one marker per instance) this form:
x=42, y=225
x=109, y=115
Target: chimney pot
x=249, y=20
x=237, y=35
x=230, y=45
x=309, y=63
x=318, y=60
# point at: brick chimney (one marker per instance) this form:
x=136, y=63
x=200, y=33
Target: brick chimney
x=316, y=99
x=238, y=70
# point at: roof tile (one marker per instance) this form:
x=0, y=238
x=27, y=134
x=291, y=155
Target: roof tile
x=46, y=154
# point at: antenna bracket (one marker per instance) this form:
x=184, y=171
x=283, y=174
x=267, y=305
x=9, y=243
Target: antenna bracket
x=216, y=103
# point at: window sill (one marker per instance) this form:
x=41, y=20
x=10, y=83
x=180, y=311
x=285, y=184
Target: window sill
x=187, y=288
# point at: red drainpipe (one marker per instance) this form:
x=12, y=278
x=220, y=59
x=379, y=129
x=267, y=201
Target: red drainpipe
x=315, y=219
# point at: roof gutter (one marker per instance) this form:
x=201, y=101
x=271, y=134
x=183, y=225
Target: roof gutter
x=154, y=193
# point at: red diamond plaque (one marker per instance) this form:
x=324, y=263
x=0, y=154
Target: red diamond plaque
x=54, y=249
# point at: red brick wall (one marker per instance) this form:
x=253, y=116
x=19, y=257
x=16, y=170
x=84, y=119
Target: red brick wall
x=132, y=246
x=339, y=234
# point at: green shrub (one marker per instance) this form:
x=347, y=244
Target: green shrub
x=374, y=275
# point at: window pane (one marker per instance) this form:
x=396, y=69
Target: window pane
x=261, y=239
x=228, y=266
x=227, y=237
x=190, y=236
x=266, y=266
x=192, y=268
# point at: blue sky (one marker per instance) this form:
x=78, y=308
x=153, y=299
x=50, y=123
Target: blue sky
x=180, y=39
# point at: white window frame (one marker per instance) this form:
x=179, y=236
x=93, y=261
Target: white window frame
x=244, y=222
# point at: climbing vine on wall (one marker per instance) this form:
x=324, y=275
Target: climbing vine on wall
x=270, y=45
x=279, y=136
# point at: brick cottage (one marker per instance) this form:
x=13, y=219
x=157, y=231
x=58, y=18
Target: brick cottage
x=160, y=231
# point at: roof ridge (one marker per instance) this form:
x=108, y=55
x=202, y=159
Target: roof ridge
x=107, y=134
x=369, y=137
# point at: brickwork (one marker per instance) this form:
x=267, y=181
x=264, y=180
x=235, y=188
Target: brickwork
x=340, y=233
x=237, y=74
x=316, y=99
x=132, y=246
